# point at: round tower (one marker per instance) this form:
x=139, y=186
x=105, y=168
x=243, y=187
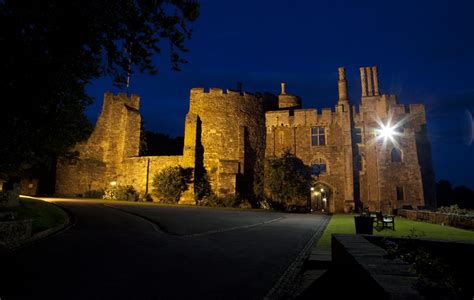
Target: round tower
x=231, y=134
x=287, y=101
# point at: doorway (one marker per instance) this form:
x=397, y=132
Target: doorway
x=320, y=197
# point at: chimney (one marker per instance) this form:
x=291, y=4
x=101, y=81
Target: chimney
x=342, y=85
x=370, y=92
x=363, y=82
x=376, y=80
x=283, y=88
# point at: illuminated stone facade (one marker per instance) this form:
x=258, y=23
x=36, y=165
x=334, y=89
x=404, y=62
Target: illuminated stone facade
x=229, y=133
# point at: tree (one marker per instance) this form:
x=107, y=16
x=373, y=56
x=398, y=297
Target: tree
x=444, y=193
x=51, y=50
x=287, y=180
x=171, y=182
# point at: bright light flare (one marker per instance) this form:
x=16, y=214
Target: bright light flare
x=386, y=131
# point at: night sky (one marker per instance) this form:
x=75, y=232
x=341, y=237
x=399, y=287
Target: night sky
x=424, y=51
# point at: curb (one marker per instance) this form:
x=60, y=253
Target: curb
x=285, y=287
x=70, y=222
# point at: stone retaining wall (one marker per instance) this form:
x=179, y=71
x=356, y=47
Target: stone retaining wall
x=461, y=221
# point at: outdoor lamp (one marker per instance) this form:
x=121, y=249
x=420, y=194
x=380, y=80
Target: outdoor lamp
x=386, y=131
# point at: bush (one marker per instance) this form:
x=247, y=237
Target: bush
x=146, y=198
x=94, y=194
x=127, y=193
x=224, y=201
x=454, y=209
x=171, y=182
x=287, y=182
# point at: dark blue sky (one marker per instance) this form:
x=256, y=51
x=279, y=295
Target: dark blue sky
x=424, y=50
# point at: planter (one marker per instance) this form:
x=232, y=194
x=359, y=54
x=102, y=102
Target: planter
x=364, y=224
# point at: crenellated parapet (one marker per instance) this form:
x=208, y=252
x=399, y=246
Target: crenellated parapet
x=299, y=117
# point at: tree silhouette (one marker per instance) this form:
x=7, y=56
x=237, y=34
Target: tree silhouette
x=50, y=50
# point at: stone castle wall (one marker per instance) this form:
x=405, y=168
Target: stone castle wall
x=116, y=137
x=292, y=133
x=232, y=136
x=229, y=133
x=140, y=171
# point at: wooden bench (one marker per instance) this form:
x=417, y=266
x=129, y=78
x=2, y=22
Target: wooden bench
x=384, y=221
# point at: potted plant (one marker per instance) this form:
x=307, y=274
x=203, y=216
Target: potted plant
x=364, y=223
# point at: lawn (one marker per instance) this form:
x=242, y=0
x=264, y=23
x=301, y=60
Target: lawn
x=345, y=224
x=45, y=215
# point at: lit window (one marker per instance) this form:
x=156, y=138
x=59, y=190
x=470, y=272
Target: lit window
x=396, y=155
x=400, y=196
x=318, y=136
x=318, y=167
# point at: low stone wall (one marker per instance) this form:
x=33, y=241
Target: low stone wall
x=140, y=171
x=461, y=221
x=357, y=260
x=14, y=231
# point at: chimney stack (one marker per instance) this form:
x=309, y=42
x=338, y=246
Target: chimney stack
x=342, y=85
x=376, y=80
x=283, y=88
x=363, y=82
x=369, y=80
x=370, y=91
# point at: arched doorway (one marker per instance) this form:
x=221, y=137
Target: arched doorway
x=320, y=197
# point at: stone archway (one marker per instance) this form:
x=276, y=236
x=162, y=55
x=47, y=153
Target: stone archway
x=321, y=197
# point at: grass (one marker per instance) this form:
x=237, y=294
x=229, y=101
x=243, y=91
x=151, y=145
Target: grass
x=45, y=215
x=345, y=224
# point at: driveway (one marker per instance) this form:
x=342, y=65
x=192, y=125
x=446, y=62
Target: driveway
x=126, y=250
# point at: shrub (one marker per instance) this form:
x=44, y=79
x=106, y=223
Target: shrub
x=171, y=182
x=287, y=181
x=202, y=185
x=94, y=194
x=245, y=204
x=224, y=201
x=454, y=209
x=127, y=193
x=146, y=198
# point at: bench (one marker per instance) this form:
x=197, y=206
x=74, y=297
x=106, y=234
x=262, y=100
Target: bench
x=384, y=221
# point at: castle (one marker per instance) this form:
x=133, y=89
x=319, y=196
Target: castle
x=228, y=134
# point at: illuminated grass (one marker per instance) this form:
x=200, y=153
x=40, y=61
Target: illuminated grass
x=45, y=215
x=345, y=224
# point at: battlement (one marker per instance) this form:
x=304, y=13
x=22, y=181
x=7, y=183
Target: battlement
x=299, y=117
x=219, y=91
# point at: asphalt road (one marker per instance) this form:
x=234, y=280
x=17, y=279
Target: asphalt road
x=130, y=251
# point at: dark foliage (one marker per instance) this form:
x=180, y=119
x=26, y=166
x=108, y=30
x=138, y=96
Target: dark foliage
x=155, y=143
x=287, y=182
x=171, y=182
x=447, y=195
x=50, y=50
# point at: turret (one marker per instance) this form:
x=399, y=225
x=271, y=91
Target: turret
x=286, y=101
x=342, y=85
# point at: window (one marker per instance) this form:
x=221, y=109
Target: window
x=318, y=166
x=396, y=155
x=400, y=196
x=357, y=135
x=318, y=136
